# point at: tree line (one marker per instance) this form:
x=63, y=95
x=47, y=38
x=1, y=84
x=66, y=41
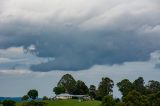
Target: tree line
x=135, y=93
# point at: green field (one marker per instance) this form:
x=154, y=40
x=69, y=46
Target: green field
x=69, y=103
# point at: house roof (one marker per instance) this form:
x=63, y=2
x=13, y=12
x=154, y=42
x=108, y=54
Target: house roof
x=64, y=94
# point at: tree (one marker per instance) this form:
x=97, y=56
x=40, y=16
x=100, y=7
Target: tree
x=45, y=98
x=108, y=101
x=25, y=97
x=33, y=94
x=81, y=88
x=120, y=104
x=135, y=98
x=68, y=82
x=34, y=103
x=138, y=85
x=105, y=87
x=92, y=88
x=125, y=86
x=154, y=99
x=9, y=103
x=92, y=91
x=153, y=86
x=59, y=90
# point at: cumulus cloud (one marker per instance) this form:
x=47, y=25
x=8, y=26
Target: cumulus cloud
x=15, y=58
x=79, y=34
x=14, y=72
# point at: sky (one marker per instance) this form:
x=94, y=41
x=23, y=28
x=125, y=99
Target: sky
x=40, y=41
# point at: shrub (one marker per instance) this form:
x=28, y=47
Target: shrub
x=45, y=98
x=25, y=97
x=34, y=103
x=108, y=101
x=9, y=103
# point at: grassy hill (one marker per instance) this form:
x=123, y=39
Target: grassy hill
x=68, y=103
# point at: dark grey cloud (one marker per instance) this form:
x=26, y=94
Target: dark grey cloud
x=111, y=35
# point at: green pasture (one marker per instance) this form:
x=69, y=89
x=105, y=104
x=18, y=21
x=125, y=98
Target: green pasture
x=68, y=103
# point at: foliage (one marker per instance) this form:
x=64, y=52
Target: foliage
x=135, y=98
x=105, y=87
x=92, y=95
x=153, y=86
x=92, y=88
x=98, y=96
x=34, y=103
x=120, y=104
x=68, y=82
x=9, y=103
x=108, y=101
x=25, y=97
x=33, y=94
x=59, y=90
x=45, y=98
x=125, y=86
x=137, y=94
x=92, y=91
x=81, y=88
x=138, y=85
x=154, y=99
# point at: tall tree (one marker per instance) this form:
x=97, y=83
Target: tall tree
x=135, y=98
x=33, y=94
x=68, y=82
x=105, y=87
x=125, y=86
x=138, y=85
x=92, y=88
x=81, y=88
x=153, y=86
x=92, y=91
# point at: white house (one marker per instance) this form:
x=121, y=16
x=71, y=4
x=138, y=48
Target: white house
x=68, y=96
x=63, y=96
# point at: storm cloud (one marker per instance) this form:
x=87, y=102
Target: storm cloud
x=79, y=34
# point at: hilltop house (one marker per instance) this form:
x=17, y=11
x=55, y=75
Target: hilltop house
x=68, y=96
x=63, y=96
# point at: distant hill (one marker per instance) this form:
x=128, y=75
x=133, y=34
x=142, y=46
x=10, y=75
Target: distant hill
x=17, y=99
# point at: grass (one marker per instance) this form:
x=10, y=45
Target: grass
x=68, y=103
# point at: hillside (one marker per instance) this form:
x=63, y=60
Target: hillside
x=69, y=103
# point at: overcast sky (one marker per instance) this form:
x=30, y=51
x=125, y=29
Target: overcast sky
x=90, y=39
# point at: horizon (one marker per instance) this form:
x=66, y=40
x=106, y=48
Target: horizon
x=42, y=40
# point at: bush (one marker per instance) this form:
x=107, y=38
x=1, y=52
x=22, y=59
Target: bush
x=25, y=97
x=108, y=101
x=34, y=103
x=9, y=103
x=45, y=98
